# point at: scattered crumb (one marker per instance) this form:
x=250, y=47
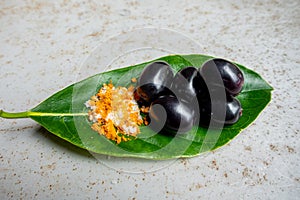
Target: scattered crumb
x=133, y=80
x=214, y=165
x=94, y=34
x=290, y=149
x=145, y=109
x=146, y=122
x=248, y=148
x=245, y=172
x=273, y=147
x=265, y=163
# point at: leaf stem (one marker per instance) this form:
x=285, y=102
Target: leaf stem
x=8, y=115
x=27, y=114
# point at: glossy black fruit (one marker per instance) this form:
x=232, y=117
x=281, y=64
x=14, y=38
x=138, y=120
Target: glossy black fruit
x=222, y=111
x=188, y=83
x=169, y=114
x=154, y=81
x=218, y=71
x=233, y=111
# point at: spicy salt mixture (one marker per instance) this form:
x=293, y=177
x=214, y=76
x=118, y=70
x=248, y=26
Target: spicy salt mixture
x=114, y=113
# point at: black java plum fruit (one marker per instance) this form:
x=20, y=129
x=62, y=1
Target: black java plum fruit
x=188, y=84
x=154, y=81
x=220, y=112
x=169, y=114
x=219, y=71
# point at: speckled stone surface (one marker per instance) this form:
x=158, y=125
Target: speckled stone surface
x=43, y=45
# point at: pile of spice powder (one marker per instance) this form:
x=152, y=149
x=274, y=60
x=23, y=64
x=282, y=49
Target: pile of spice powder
x=114, y=113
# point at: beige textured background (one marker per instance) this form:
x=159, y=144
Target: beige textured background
x=42, y=47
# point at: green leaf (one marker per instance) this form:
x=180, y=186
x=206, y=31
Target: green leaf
x=65, y=115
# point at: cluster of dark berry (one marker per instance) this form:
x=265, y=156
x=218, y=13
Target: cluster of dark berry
x=204, y=96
